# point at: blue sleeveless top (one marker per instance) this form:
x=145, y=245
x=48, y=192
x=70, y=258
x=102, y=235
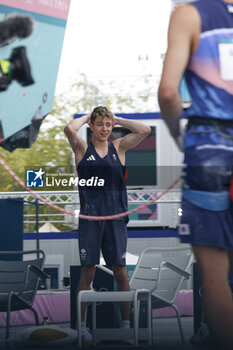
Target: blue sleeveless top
x=209, y=74
x=102, y=188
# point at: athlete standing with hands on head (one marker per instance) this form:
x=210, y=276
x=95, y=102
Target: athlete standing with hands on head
x=200, y=45
x=104, y=161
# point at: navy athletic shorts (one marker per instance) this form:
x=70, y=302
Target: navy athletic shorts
x=207, y=168
x=108, y=236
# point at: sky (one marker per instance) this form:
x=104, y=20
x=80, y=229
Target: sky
x=106, y=37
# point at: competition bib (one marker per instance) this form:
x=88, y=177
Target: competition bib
x=226, y=59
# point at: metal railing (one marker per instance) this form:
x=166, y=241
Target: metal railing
x=69, y=200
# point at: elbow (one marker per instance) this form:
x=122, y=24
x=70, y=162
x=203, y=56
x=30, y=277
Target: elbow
x=166, y=95
x=67, y=130
x=147, y=130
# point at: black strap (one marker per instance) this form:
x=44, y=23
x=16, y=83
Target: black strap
x=194, y=121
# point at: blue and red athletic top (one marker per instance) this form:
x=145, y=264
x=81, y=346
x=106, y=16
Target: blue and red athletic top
x=104, y=192
x=209, y=84
x=209, y=74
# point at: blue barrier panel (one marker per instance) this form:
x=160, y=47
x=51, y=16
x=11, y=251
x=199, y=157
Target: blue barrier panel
x=11, y=224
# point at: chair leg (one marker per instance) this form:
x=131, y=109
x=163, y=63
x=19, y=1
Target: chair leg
x=79, y=318
x=136, y=317
x=7, y=325
x=93, y=320
x=149, y=320
x=36, y=316
x=8, y=316
x=179, y=323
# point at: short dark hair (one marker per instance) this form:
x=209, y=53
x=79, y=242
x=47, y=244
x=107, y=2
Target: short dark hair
x=102, y=112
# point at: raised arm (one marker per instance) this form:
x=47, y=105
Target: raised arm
x=183, y=38
x=139, y=132
x=78, y=145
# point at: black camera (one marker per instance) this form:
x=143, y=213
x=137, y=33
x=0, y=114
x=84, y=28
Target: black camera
x=17, y=67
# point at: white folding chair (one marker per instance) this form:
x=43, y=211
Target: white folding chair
x=157, y=279
x=163, y=271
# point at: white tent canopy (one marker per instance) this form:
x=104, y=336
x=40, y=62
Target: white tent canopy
x=48, y=227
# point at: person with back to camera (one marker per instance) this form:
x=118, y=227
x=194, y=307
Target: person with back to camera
x=200, y=46
x=105, y=162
